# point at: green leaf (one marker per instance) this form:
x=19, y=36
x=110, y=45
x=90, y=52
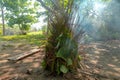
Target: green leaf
x=43, y=64
x=61, y=54
x=58, y=44
x=63, y=69
x=79, y=57
x=69, y=61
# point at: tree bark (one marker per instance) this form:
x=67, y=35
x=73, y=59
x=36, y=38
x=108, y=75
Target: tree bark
x=3, y=23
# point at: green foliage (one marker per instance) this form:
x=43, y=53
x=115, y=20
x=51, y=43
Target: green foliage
x=69, y=61
x=63, y=69
x=20, y=12
x=65, y=57
x=43, y=64
x=67, y=52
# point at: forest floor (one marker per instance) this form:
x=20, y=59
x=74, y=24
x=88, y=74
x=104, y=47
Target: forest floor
x=102, y=58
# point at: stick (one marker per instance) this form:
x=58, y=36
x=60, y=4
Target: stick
x=23, y=55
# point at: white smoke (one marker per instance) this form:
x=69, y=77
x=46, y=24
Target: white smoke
x=97, y=17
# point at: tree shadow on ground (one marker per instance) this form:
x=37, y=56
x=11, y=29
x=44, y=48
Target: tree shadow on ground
x=104, y=58
x=28, y=68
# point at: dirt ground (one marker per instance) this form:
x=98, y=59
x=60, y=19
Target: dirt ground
x=103, y=58
x=22, y=68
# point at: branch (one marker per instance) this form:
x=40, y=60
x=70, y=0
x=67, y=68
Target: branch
x=46, y=7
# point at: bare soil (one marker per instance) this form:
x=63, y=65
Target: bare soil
x=102, y=58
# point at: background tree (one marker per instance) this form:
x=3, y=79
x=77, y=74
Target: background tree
x=22, y=13
x=2, y=13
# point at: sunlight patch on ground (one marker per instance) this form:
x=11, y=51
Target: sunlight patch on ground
x=3, y=61
x=4, y=55
x=35, y=65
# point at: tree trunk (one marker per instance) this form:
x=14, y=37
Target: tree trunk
x=3, y=23
x=22, y=31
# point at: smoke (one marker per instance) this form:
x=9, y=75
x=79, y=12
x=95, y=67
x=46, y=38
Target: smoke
x=98, y=19
x=112, y=18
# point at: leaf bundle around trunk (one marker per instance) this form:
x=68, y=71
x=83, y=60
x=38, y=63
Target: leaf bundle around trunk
x=62, y=45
